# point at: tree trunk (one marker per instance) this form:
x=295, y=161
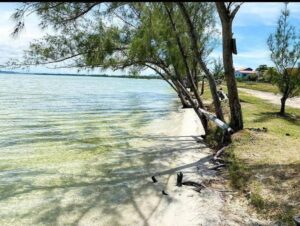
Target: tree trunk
x=236, y=120
x=197, y=54
x=285, y=96
x=194, y=87
x=282, y=108
x=202, y=87
x=184, y=102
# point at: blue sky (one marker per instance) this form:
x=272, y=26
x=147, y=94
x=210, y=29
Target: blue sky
x=252, y=26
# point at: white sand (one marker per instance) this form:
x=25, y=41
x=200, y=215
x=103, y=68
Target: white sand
x=126, y=195
x=182, y=206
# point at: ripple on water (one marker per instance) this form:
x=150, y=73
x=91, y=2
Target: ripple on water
x=68, y=144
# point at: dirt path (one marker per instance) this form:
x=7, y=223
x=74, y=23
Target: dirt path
x=273, y=98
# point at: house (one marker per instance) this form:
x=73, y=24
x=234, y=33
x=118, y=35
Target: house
x=244, y=73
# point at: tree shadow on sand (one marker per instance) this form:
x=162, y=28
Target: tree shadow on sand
x=102, y=188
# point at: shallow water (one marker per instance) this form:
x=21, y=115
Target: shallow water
x=69, y=144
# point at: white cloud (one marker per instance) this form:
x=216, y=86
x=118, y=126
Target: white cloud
x=263, y=13
x=252, y=58
x=11, y=47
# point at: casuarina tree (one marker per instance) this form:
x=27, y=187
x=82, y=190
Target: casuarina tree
x=284, y=45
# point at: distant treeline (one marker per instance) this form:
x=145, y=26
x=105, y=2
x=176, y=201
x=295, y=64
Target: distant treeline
x=101, y=75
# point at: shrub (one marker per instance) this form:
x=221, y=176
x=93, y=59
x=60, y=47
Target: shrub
x=267, y=76
x=253, y=77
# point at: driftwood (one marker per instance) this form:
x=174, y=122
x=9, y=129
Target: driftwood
x=218, y=153
x=217, y=167
x=192, y=183
x=163, y=192
x=153, y=179
x=198, y=186
x=264, y=129
x=179, y=179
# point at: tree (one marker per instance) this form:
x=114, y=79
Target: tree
x=262, y=68
x=218, y=69
x=198, y=52
x=284, y=45
x=269, y=74
x=227, y=12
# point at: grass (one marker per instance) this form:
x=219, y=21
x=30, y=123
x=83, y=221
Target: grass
x=266, y=165
x=260, y=86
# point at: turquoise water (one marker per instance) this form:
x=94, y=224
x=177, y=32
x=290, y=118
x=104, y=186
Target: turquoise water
x=65, y=134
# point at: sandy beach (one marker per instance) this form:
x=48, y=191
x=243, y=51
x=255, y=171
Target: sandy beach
x=127, y=195
x=178, y=151
x=183, y=205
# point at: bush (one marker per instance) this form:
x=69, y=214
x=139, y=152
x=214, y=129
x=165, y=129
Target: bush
x=253, y=77
x=267, y=76
x=240, y=79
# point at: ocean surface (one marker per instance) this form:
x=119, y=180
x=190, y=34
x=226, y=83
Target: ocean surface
x=65, y=140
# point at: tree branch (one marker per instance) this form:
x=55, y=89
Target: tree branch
x=81, y=13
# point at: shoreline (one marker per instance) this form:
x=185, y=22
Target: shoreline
x=181, y=150
x=81, y=75
x=127, y=195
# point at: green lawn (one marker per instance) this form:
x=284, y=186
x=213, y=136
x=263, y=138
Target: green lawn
x=261, y=86
x=266, y=165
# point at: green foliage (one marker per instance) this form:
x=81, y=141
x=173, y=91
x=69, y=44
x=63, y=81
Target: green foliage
x=268, y=74
x=257, y=201
x=279, y=80
x=237, y=171
x=218, y=69
x=262, y=68
x=253, y=77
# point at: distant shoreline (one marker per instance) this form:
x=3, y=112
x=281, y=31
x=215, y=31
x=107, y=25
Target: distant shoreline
x=85, y=75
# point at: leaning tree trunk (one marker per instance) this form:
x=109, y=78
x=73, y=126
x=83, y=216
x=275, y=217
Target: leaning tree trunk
x=194, y=87
x=195, y=106
x=202, y=87
x=184, y=101
x=198, y=56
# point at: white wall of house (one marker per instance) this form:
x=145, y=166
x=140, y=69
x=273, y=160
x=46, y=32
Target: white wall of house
x=240, y=75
